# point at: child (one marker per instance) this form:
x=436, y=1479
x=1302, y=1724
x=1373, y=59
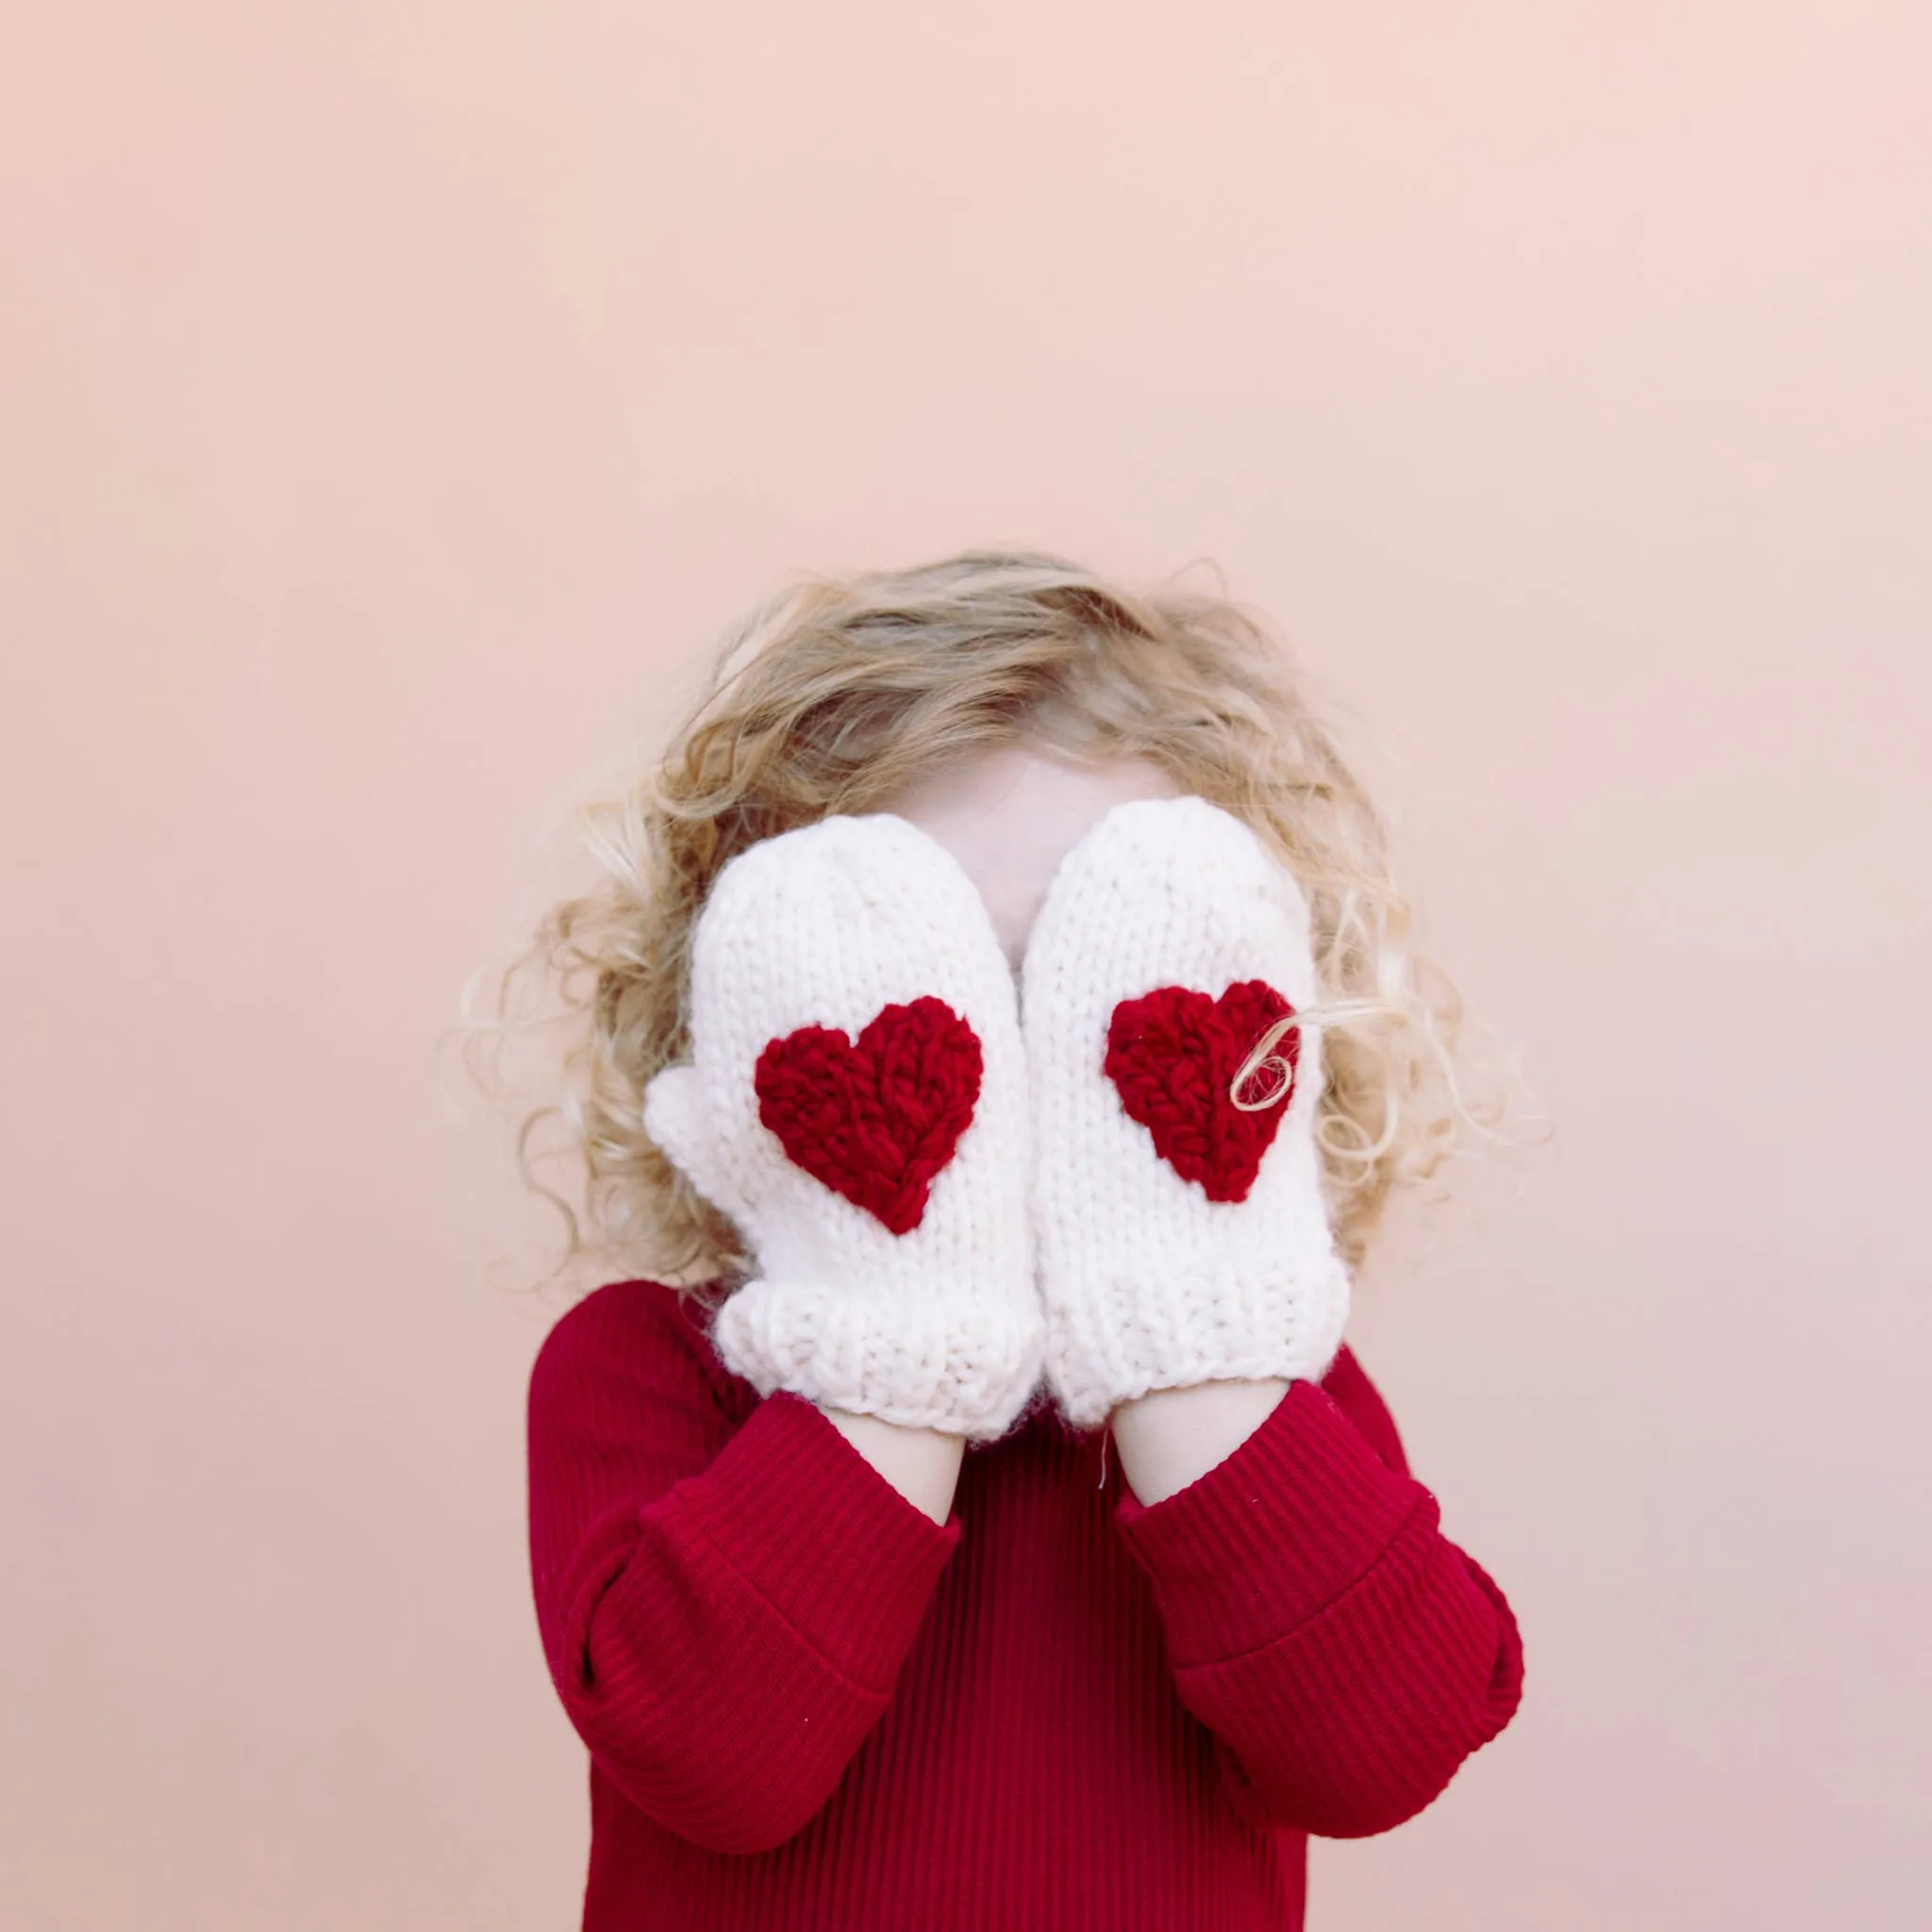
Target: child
x=998, y=1017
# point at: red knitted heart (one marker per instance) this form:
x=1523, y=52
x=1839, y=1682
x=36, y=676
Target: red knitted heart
x=1173, y=1054
x=876, y=1121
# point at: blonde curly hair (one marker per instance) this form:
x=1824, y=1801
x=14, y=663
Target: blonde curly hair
x=840, y=691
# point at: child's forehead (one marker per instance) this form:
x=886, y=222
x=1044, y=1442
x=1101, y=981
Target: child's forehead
x=1027, y=783
x=1009, y=815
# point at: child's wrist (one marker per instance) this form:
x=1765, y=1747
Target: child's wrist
x=1170, y=1438
x=922, y=1464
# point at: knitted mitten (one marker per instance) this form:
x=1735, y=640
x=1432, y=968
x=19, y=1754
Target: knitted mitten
x=856, y=1104
x=1181, y=1238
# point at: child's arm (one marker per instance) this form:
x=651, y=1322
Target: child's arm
x=720, y=1679
x=1346, y=1655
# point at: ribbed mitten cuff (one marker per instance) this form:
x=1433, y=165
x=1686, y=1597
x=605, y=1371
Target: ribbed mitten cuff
x=1122, y=1335
x=951, y=1361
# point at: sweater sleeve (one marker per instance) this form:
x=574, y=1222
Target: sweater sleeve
x=724, y=1609
x=1345, y=1655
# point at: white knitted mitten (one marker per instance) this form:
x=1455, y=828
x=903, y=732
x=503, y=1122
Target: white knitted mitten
x=1181, y=1238
x=856, y=1104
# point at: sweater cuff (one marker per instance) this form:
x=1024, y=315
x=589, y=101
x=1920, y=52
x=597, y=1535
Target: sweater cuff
x=823, y=1537
x=1272, y=1535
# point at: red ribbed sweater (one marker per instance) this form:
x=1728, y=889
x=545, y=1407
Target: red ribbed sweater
x=808, y=1707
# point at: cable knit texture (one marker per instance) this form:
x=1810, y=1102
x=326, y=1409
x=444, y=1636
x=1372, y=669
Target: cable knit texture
x=811, y=1708
x=857, y=1102
x=1181, y=1238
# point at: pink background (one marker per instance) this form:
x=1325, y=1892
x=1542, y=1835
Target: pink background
x=402, y=394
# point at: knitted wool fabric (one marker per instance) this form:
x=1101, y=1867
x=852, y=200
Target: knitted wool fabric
x=856, y=1104
x=1181, y=1238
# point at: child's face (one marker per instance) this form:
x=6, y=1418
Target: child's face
x=1009, y=817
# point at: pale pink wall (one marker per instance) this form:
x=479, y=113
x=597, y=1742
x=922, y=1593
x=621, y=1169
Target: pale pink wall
x=400, y=396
